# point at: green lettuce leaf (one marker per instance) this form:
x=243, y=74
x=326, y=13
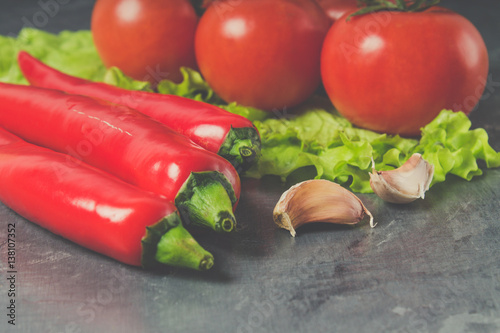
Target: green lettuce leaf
x=71, y=52
x=252, y=114
x=115, y=76
x=192, y=86
x=342, y=153
x=448, y=143
x=313, y=141
x=324, y=140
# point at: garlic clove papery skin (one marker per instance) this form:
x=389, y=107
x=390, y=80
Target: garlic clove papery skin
x=318, y=201
x=404, y=184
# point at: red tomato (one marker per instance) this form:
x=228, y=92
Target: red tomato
x=262, y=53
x=395, y=71
x=334, y=9
x=147, y=39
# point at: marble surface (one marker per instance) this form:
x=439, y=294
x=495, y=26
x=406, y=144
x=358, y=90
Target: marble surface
x=431, y=266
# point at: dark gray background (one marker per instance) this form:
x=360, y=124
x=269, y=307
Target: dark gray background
x=431, y=266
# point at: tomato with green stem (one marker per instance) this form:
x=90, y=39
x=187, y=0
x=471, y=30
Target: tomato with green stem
x=393, y=68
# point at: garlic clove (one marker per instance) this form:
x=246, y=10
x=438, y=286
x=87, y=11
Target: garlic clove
x=404, y=184
x=318, y=200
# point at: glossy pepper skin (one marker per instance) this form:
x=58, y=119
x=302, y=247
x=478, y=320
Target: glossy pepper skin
x=93, y=208
x=127, y=144
x=229, y=135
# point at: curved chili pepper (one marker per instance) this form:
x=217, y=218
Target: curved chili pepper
x=94, y=209
x=232, y=136
x=128, y=144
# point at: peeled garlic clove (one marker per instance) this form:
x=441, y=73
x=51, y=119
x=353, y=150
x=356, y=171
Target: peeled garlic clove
x=404, y=184
x=318, y=200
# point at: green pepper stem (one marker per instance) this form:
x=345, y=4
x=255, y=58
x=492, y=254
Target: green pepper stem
x=241, y=147
x=207, y=199
x=178, y=248
x=168, y=242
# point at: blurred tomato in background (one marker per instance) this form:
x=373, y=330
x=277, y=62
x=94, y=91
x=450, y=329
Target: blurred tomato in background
x=148, y=40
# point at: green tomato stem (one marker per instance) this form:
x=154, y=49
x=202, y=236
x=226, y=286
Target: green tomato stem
x=371, y=6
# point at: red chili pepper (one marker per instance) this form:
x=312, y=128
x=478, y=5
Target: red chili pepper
x=93, y=208
x=128, y=144
x=229, y=135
